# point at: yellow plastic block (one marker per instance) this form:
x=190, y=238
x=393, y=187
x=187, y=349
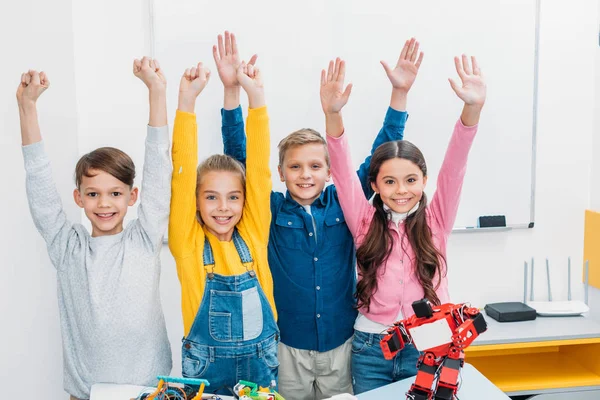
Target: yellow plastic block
x=591, y=247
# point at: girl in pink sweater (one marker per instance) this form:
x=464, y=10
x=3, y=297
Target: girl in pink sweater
x=400, y=238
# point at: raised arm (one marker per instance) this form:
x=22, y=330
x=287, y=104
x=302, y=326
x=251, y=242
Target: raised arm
x=153, y=212
x=472, y=91
x=402, y=77
x=182, y=221
x=227, y=60
x=257, y=216
x=333, y=98
x=44, y=201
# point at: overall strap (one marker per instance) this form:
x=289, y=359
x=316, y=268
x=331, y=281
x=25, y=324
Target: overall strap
x=240, y=245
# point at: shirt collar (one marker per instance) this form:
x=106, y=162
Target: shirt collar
x=396, y=217
x=319, y=200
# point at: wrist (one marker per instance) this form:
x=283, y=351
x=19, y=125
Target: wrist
x=157, y=89
x=186, y=105
x=28, y=106
x=256, y=99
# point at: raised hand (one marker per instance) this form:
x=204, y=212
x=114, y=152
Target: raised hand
x=250, y=78
x=403, y=75
x=193, y=81
x=227, y=59
x=148, y=71
x=333, y=95
x=32, y=85
x=473, y=88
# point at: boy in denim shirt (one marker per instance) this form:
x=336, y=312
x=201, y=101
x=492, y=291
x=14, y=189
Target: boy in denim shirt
x=311, y=252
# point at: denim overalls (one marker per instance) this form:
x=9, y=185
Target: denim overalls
x=234, y=335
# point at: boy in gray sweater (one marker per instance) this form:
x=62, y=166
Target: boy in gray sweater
x=112, y=323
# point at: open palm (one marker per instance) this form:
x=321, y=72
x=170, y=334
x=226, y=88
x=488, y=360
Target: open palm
x=333, y=95
x=227, y=59
x=403, y=75
x=473, y=88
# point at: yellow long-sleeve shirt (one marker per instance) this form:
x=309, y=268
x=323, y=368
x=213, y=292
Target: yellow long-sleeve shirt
x=186, y=234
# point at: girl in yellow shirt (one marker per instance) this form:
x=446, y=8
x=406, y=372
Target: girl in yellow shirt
x=218, y=234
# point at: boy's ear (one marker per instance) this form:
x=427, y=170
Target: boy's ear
x=77, y=197
x=328, y=174
x=280, y=173
x=134, y=196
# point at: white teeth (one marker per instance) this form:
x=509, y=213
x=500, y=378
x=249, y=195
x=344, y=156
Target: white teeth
x=106, y=215
x=305, y=186
x=222, y=218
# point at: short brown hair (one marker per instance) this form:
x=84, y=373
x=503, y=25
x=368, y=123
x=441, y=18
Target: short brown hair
x=300, y=138
x=220, y=162
x=108, y=159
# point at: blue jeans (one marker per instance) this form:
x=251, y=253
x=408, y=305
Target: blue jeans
x=371, y=370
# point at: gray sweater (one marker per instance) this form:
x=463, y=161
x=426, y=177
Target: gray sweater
x=112, y=323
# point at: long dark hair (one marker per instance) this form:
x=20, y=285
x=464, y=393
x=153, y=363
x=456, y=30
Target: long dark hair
x=377, y=245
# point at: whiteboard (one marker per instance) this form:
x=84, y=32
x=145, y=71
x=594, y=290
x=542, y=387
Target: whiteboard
x=295, y=41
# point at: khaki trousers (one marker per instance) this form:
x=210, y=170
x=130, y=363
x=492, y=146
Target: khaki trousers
x=313, y=375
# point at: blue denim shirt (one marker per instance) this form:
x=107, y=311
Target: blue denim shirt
x=314, y=281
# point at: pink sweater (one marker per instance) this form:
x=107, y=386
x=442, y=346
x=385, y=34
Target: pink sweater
x=397, y=283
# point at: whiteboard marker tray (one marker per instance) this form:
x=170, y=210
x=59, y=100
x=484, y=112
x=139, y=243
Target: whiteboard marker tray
x=558, y=308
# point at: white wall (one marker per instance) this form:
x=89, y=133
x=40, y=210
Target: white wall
x=484, y=267
x=35, y=34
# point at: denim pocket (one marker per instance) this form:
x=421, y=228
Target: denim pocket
x=235, y=316
x=194, y=367
x=270, y=356
x=290, y=231
x=359, y=344
x=220, y=326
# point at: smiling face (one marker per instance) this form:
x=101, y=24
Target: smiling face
x=305, y=171
x=400, y=183
x=105, y=200
x=220, y=201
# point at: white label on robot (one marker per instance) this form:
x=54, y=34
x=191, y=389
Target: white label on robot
x=431, y=335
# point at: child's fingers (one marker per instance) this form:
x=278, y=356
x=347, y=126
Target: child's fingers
x=336, y=69
x=253, y=59
x=330, y=71
x=23, y=78
x=386, y=67
x=342, y=71
x=221, y=47
x=347, y=92
x=151, y=64
x=466, y=65
x=419, y=60
x=411, y=49
x=194, y=73
x=156, y=65
x=323, y=77
x=250, y=72
x=215, y=55
x=234, y=49
x=227, y=43
x=413, y=56
x=145, y=62
x=207, y=74
x=186, y=74
x=459, y=68
x=28, y=77
x=454, y=85
x=35, y=78
x=476, y=69
x=44, y=79
x=403, y=52
x=138, y=64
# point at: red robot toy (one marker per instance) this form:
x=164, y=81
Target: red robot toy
x=441, y=334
